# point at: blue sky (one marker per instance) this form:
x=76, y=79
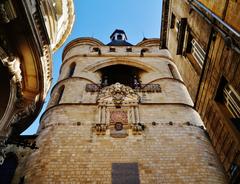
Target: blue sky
x=99, y=18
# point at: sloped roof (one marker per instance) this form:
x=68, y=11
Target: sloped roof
x=119, y=43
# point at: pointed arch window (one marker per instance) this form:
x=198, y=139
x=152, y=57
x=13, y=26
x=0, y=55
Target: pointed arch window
x=60, y=94
x=71, y=69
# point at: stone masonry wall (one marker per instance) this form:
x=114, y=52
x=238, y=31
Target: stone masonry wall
x=165, y=153
x=76, y=138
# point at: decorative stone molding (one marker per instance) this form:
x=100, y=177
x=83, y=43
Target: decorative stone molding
x=149, y=88
x=13, y=64
x=23, y=113
x=93, y=87
x=118, y=112
x=40, y=29
x=46, y=62
x=117, y=93
x=137, y=128
x=100, y=129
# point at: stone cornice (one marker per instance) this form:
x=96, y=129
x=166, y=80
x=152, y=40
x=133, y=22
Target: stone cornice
x=71, y=78
x=82, y=40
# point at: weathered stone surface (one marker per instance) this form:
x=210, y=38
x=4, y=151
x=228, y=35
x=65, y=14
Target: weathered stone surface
x=83, y=136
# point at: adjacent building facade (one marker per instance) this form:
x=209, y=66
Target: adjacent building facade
x=120, y=113
x=29, y=33
x=203, y=38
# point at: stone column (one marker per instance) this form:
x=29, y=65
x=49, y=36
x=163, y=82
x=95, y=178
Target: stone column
x=133, y=115
x=137, y=115
x=104, y=115
x=100, y=114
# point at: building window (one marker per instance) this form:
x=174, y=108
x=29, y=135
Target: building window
x=125, y=173
x=181, y=35
x=143, y=51
x=232, y=100
x=197, y=52
x=111, y=49
x=60, y=94
x=192, y=54
x=173, y=20
x=119, y=37
x=96, y=49
x=189, y=43
x=229, y=99
x=129, y=49
x=71, y=69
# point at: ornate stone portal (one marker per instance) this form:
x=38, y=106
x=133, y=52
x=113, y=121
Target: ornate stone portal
x=118, y=111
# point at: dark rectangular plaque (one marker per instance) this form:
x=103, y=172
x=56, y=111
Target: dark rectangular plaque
x=125, y=173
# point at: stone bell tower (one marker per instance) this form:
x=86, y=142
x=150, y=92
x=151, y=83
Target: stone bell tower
x=120, y=113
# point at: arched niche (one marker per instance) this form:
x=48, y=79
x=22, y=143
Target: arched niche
x=120, y=61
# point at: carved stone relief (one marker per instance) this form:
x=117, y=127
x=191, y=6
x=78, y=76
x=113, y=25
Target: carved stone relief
x=118, y=111
x=117, y=93
x=23, y=113
x=148, y=88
